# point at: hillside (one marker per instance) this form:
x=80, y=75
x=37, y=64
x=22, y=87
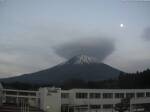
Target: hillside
x=78, y=67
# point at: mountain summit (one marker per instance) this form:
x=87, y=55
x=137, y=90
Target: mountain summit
x=79, y=67
x=82, y=59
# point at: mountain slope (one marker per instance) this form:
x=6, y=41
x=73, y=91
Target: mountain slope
x=78, y=67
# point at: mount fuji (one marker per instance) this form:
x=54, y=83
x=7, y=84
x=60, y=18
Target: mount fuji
x=78, y=67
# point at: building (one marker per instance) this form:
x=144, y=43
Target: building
x=93, y=100
x=79, y=100
x=1, y=87
x=50, y=99
x=11, y=96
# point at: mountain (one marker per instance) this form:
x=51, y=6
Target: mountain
x=79, y=67
x=82, y=59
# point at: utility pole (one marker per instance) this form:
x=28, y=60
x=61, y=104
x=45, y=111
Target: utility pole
x=21, y=106
x=28, y=108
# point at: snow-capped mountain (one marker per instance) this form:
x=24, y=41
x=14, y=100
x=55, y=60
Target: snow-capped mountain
x=79, y=67
x=82, y=59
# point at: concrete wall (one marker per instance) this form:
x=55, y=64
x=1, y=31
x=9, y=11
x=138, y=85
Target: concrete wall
x=50, y=99
x=73, y=101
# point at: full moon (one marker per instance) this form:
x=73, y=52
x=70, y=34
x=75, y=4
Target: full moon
x=121, y=25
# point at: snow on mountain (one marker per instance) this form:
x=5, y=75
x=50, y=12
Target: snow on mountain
x=82, y=59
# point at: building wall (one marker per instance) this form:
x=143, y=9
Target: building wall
x=19, y=96
x=50, y=99
x=78, y=100
x=140, y=96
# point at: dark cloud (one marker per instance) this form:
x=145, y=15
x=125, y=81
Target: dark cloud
x=96, y=47
x=146, y=34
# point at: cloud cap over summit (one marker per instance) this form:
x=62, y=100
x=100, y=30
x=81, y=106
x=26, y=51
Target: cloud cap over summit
x=99, y=48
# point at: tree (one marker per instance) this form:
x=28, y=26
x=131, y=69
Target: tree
x=123, y=105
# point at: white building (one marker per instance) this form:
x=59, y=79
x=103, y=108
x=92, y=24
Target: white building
x=93, y=100
x=79, y=100
x=20, y=96
x=50, y=99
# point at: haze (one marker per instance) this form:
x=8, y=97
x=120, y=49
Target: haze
x=38, y=34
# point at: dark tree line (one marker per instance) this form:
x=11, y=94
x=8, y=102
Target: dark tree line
x=134, y=80
x=124, y=81
x=139, y=80
x=78, y=83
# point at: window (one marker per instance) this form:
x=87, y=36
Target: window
x=24, y=93
x=64, y=108
x=140, y=94
x=11, y=92
x=119, y=95
x=130, y=95
x=64, y=95
x=147, y=94
x=82, y=106
x=107, y=106
x=95, y=106
x=107, y=95
x=81, y=95
x=32, y=94
x=95, y=95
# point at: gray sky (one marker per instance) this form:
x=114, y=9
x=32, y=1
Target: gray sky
x=38, y=34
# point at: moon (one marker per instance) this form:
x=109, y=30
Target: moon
x=121, y=25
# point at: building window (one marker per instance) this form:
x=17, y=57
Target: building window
x=95, y=95
x=107, y=106
x=130, y=95
x=95, y=106
x=64, y=95
x=64, y=108
x=119, y=95
x=81, y=95
x=140, y=95
x=107, y=95
x=147, y=94
x=24, y=93
x=32, y=94
x=11, y=92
